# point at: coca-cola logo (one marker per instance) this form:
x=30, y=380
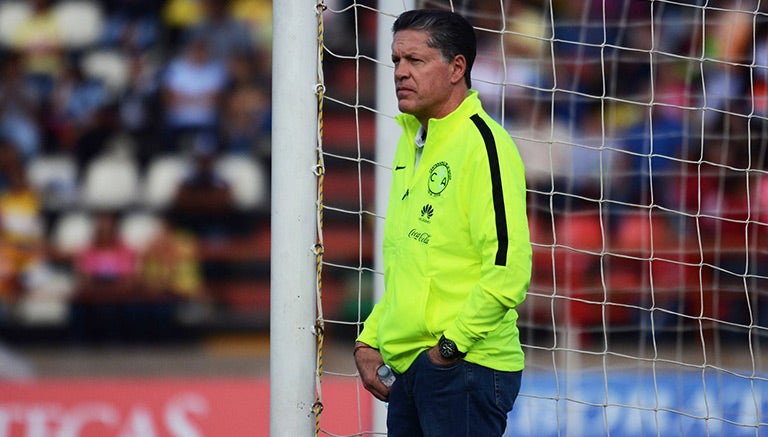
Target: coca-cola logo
x=421, y=237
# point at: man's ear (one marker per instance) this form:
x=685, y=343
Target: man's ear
x=459, y=65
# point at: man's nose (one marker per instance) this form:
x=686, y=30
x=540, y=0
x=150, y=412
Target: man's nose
x=401, y=71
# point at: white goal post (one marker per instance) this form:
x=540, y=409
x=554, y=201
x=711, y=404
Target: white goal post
x=293, y=218
x=644, y=129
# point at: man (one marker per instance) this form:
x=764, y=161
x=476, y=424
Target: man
x=457, y=254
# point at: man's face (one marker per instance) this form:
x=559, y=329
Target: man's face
x=423, y=78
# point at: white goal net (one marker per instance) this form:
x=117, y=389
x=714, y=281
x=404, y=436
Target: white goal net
x=643, y=126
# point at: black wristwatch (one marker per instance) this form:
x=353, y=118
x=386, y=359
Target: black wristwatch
x=448, y=349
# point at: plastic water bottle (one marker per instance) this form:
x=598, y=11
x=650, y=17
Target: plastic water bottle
x=386, y=375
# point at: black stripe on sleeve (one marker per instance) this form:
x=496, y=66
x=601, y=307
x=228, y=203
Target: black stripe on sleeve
x=498, y=194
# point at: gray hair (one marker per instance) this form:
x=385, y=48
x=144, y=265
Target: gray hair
x=449, y=32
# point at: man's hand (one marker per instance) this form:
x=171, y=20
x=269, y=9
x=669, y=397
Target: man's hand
x=368, y=360
x=434, y=355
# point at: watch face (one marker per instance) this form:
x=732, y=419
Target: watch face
x=447, y=348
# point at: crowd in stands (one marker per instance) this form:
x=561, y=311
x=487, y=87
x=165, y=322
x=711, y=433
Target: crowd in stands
x=646, y=147
x=134, y=137
x=646, y=151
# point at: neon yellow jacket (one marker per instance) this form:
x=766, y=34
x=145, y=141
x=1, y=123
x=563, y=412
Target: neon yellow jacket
x=457, y=252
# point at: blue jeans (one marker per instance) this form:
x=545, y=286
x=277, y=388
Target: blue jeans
x=464, y=399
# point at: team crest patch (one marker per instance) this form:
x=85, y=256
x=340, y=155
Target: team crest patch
x=439, y=176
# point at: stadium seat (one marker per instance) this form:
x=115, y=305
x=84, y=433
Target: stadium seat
x=11, y=14
x=138, y=229
x=72, y=232
x=579, y=242
x=110, y=182
x=109, y=66
x=81, y=22
x=348, y=187
x=164, y=174
x=579, y=239
x=247, y=179
x=638, y=233
x=55, y=177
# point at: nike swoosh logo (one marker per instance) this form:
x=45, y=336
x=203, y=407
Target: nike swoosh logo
x=400, y=167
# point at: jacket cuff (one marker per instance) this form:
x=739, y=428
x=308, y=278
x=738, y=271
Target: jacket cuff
x=367, y=338
x=463, y=342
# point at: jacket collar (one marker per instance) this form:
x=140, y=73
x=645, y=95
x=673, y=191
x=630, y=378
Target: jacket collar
x=437, y=126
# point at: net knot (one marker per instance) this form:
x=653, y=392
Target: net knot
x=319, y=329
x=317, y=407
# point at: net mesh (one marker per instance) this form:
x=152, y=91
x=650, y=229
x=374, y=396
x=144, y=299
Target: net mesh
x=642, y=125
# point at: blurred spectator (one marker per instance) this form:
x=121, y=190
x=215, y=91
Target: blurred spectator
x=203, y=67
x=729, y=36
x=19, y=107
x=733, y=230
x=204, y=202
x=543, y=142
x=192, y=87
x=107, y=274
x=760, y=72
x=226, y=34
x=39, y=39
x=649, y=170
x=132, y=25
x=578, y=31
x=586, y=159
x=257, y=14
x=22, y=242
x=177, y=17
x=93, y=139
x=170, y=264
x=526, y=62
x=246, y=112
x=115, y=300
x=75, y=102
x=107, y=269
x=19, y=203
x=139, y=110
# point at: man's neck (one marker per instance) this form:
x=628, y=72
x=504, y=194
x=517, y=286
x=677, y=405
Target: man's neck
x=454, y=101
